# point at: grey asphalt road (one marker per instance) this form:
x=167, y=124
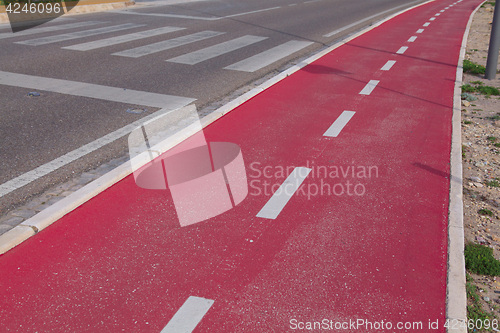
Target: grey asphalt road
x=36, y=130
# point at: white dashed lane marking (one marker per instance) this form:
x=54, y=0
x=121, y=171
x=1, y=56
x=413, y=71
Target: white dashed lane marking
x=419, y=31
x=402, y=50
x=388, y=65
x=412, y=39
x=335, y=129
x=426, y=24
x=121, y=39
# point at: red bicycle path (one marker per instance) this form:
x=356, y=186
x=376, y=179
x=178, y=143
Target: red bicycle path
x=121, y=262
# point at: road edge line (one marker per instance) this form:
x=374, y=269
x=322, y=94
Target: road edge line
x=456, y=296
x=53, y=213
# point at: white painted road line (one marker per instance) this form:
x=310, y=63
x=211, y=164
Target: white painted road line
x=166, y=102
x=188, y=316
x=201, y=18
x=412, y=39
x=91, y=90
x=79, y=34
x=426, y=24
x=167, y=44
x=419, y=31
x=38, y=30
x=437, y=14
x=432, y=19
x=370, y=86
x=216, y=50
x=333, y=33
x=339, y=124
x=266, y=58
x=388, y=65
x=59, y=162
x=121, y=39
x=402, y=50
x=441, y=11
x=280, y=198
x=252, y=12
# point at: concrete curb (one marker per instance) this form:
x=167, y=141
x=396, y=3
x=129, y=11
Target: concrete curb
x=456, y=296
x=51, y=214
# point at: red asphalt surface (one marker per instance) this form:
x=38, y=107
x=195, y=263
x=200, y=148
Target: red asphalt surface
x=121, y=262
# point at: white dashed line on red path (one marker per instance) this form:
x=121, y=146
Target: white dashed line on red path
x=189, y=315
x=337, y=126
x=370, y=86
x=280, y=198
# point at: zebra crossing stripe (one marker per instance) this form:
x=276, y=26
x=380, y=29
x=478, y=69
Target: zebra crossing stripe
x=268, y=57
x=121, y=39
x=48, y=29
x=216, y=50
x=79, y=34
x=167, y=44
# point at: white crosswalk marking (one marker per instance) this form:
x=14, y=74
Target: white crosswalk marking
x=79, y=34
x=216, y=50
x=82, y=89
x=121, y=39
x=167, y=44
x=116, y=94
x=38, y=30
x=266, y=58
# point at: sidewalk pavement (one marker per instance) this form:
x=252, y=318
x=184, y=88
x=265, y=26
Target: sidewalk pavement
x=364, y=239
